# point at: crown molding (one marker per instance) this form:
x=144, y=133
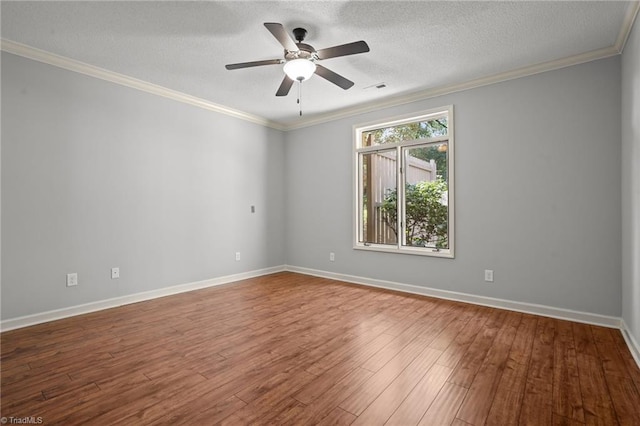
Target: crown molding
x=627, y=25
x=453, y=88
x=125, y=80
x=616, y=49
x=103, y=74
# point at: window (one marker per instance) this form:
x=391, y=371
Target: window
x=404, y=185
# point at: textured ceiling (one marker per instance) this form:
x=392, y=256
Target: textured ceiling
x=415, y=46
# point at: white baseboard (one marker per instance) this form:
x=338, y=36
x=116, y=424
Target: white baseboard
x=25, y=321
x=529, y=308
x=632, y=343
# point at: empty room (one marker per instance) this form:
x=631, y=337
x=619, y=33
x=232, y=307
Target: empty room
x=320, y=213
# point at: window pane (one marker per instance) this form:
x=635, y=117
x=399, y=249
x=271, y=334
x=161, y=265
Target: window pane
x=404, y=191
x=378, y=219
x=433, y=127
x=426, y=209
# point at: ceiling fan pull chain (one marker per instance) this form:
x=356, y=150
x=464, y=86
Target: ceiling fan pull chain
x=300, y=96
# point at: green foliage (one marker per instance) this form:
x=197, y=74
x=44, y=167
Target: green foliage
x=426, y=216
x=415, y=131
x=410, y=131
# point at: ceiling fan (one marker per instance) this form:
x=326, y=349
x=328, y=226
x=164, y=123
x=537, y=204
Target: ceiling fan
x=300, y=59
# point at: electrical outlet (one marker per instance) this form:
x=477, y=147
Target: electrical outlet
x=237, y=255
x=332, y=257
x=115, y=273
x=253, y=209
x=488, y=275
x=72, y=279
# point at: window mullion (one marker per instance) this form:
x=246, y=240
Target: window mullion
x=401, y=222
x=360, y=197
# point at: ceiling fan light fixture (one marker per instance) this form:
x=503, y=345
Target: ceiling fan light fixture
x=299, y=69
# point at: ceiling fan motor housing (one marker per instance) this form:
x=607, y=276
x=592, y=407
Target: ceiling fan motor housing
x=299, y=34
x=304, y=51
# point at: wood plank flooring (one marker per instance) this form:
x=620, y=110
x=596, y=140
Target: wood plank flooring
x=290, y=349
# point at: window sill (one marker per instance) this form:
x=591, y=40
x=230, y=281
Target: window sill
x=447, y=254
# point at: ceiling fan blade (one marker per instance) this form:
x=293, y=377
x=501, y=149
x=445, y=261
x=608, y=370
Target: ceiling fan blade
x=336, y=79
x=282, y=36
x=253, y=64
x=285, y=86
x=343, y=50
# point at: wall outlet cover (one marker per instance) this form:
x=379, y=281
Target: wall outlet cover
x=488, y=275
x=72, y=279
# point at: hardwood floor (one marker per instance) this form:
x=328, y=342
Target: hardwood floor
x=290, y=349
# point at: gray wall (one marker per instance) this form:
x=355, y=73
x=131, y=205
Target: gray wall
x=96, y=175
x=631, y=183
x=537, y=193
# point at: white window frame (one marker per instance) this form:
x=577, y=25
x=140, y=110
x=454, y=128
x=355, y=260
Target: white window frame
x=358, y=129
